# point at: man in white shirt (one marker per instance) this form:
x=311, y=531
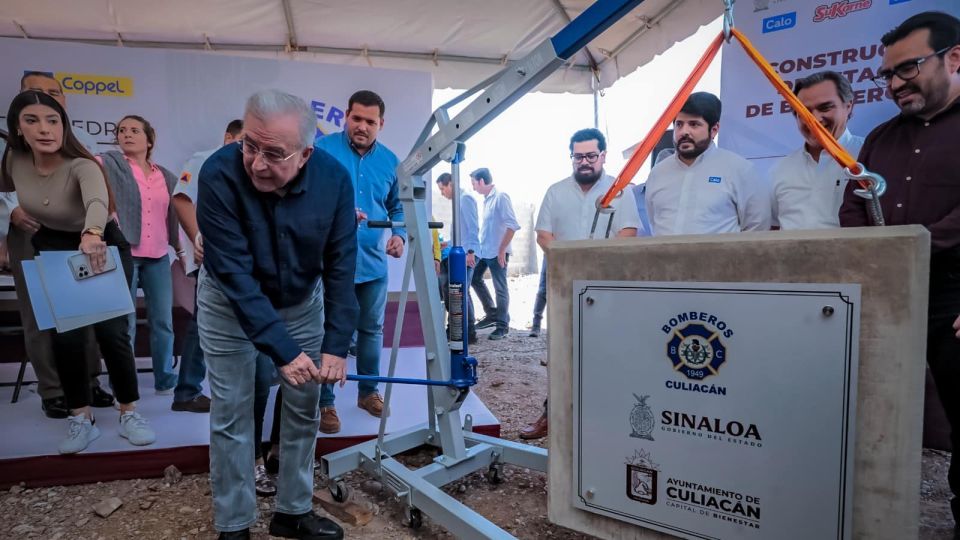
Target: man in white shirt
x=569, y=212
x=188, y=394
x=808, y=184
x=496, y=233
x=703, y=189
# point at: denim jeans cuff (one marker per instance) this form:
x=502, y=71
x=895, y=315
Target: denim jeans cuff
x=234, y=528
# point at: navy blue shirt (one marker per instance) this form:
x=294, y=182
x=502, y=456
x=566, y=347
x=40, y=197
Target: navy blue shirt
x=268, y=252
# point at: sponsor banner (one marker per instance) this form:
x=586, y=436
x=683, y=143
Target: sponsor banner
x=799, y=38
x=718, y=410
x=189, y=97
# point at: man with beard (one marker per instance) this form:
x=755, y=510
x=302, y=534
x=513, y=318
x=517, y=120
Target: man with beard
x=916, y=152
x=373, y=169
x=567, y=213
x=703, y=189
x=808, y=184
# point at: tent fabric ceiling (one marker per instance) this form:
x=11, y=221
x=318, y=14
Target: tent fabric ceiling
x=461, y=42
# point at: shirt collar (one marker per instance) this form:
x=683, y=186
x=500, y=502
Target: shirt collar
x=153, y=166
x=844, y=141
x=373, y=147
x=493, y=191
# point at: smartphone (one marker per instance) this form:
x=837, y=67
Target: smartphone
x=80, y=265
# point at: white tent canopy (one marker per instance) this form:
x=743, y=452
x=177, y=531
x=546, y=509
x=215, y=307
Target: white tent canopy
x=460, y=41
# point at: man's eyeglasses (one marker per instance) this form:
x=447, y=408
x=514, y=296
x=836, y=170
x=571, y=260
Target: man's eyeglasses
x=906, y=71
x=270, y=156
x=592, y=157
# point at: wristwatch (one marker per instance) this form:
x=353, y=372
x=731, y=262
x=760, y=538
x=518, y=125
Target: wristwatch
x=97, y=231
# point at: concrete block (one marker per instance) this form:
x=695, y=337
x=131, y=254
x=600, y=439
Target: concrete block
x=892, y=266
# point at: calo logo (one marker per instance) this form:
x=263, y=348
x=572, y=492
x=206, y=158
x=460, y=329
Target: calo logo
x=96, y=85
x=329, y=118
x=780, y=22
x=839, y=9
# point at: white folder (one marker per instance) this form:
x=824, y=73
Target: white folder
x=63, y=302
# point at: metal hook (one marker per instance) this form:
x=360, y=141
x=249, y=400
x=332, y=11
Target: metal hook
x=728, y=19
x=877, y=183
x=876, y=187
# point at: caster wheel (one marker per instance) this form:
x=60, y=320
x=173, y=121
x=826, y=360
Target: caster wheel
x=495, y=473
x=414, y=518
x=339, y=491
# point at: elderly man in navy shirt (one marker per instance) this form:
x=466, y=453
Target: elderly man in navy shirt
x=280, y=239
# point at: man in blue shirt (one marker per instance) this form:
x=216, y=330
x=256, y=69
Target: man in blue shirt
x=372, y=168
x=496, y=233
x=279, y=230
x=469, y=240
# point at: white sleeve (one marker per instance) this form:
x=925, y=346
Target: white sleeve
x=544, y=216
x=187, y=183
x=753, y=200
x=626, y=216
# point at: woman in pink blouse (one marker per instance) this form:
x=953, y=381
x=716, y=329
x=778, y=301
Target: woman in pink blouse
x=142, y=190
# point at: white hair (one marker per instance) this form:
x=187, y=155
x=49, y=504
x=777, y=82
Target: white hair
x=267, y=104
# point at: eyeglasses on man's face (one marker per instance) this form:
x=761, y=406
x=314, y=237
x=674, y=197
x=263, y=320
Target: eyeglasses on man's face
x=905, y=70
x=272, y=157
x=592, y=157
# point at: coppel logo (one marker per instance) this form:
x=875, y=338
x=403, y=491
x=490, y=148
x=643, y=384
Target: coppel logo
x=95, y=85
x=783, y=21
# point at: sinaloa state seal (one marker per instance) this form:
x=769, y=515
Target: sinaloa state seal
x=642, y=420
x=696, y=351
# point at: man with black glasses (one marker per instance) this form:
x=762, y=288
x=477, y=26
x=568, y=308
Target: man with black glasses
x=567, y=213
x=916, y=152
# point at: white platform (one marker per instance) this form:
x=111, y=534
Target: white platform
x=182, y=429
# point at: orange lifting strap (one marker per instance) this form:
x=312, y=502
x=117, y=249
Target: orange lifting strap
x=825, y=138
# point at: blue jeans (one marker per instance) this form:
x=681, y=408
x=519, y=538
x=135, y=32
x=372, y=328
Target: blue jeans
x=540, y=303
x=500, y=311
x=372, y=297
x=192, y=367
x=232, y=366
x=154, y=277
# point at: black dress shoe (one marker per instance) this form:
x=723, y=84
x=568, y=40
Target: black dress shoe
x=307, y=526
x=55, y=407
x=100, y=398
x=235, y=535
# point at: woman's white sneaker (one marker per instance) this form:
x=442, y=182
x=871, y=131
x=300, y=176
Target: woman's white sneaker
x=136, y=429
x=81, y=432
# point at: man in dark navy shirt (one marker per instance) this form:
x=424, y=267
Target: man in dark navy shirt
x=280, y=240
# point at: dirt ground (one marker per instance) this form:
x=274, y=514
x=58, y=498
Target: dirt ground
x=512, y=384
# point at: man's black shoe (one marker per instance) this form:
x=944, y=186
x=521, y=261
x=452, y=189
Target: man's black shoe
x=235, y=535
x=307, y=526
x=486, y=322
x=272, y=464
x=101, y=398
x=55, y=407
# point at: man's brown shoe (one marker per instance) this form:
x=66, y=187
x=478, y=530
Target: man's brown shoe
x=329, y=421
x=372, y=403
x=536, y=430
